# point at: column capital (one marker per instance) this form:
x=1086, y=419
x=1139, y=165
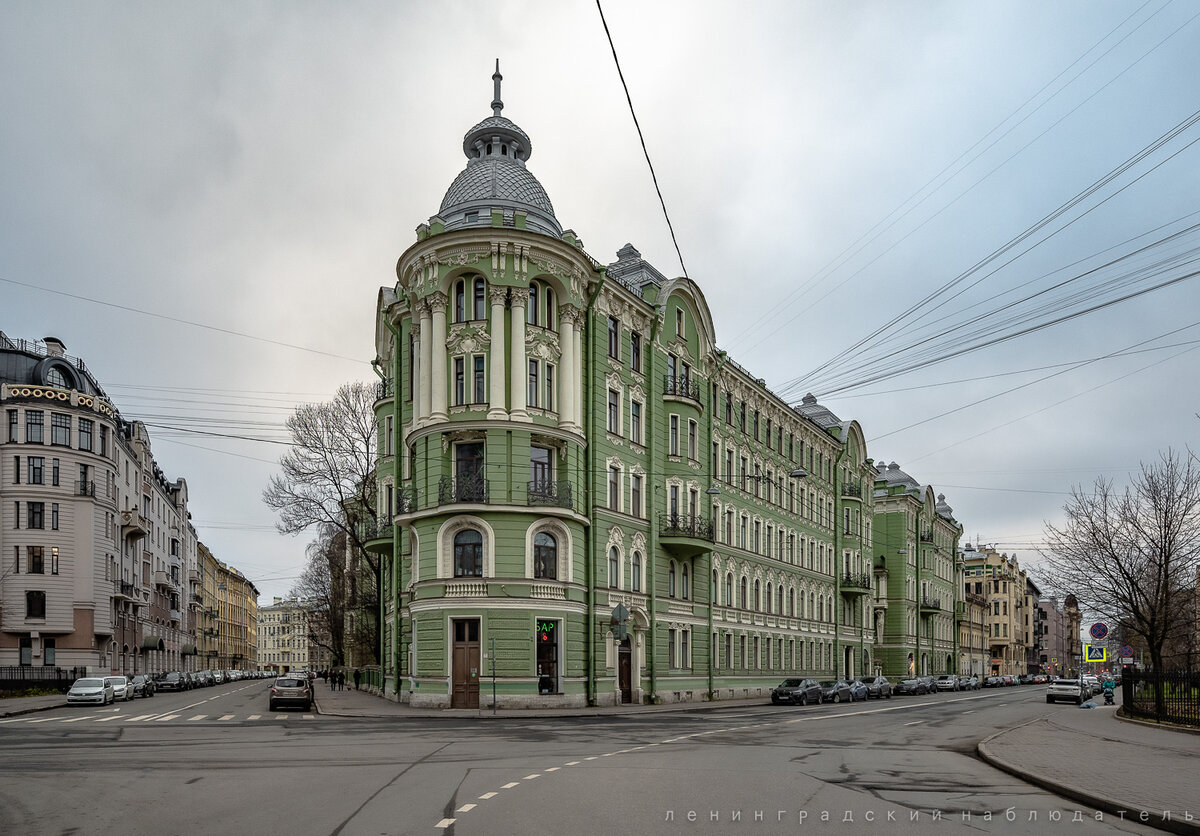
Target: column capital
x=497, y=295
x=519, y=299
x=570, y=313
x=436, y=302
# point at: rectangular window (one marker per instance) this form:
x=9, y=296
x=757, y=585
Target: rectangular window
x=532, y=395
x=673, y=502
x=85, y=434
x=768, y=433
x=35, y=605
x=671, y=363
x=614, y=412
x=756, y=425
x=791, y=446
x=672, y=659
x=757, y=535
x=692, y=440
x=742, y=416
x=635, y=351
x=614, y=488
x=635, y=495
x=459, y=382
x=728, y=408
x=548, y=402
x=729, y=466
x=35, y=427
x=12, y=425
x=673, y=438
x=541, y=467
x=54, y=516
x=104, y=441
x=37, y=560
x=60, y=429
x=679, y=322
x=685, y=652
x=480, y=392
x=36, y=515
x=614, y=338
x=635, y=422
x=54, y=472
x=54, y=560
x=37, y=468
x=49, y=652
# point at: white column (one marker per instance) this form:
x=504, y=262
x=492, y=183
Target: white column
x=577, y=372
x=425, y=388
x=566, y=368
x=437, y=304
x=518, y=371
x=496, y=374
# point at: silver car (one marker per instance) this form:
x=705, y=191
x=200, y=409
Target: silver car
x=122, y=687
x=91, y=689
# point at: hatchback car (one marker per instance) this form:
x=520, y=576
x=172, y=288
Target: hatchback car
x=993, y=682
x=834, y=690
x=878, y=687
x=910, y=686
x=91, y=689
x=796, y=692
x=143, y=686
x=122, y=687
x=858, y=690
x=290, y=690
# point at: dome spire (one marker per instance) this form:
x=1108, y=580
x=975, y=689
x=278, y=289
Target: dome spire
x=497, y=105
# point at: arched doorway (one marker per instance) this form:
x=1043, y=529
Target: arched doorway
x=625, y=669
x=849, y=662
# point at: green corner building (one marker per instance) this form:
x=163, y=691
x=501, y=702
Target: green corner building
x=589, y=502
x=917, y=598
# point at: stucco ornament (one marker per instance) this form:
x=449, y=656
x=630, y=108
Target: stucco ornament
x=542, y=343
x=466, y=338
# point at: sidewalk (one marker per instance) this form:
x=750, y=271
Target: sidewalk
x=1091, y=756
x=351, y=703
x=13, y=706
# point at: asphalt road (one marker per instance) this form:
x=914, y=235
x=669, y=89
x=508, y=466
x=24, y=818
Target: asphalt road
x=217, y=761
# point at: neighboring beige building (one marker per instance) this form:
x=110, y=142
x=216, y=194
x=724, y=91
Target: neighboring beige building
x=284, y=644
x=228, y=633
x=1003, y=584
x=973, y=652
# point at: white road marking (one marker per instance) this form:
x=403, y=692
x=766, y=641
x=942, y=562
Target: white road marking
x=226, y=717
x=310, y=716
x=487, y=795
x=197, y=717
x=142, y=717
x=43, y=720
x=280, y=716
x=77, y=719
x=531, y=777
x=168, y=717
x=914, y=722
x=510, y=785
x=554, y=769
x=573, y=763
x=106, y=719
x=254, y=717
x=444, y=823
x=466, y=808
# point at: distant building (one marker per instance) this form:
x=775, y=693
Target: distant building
x=1008, y=627
x=1053, y=636
x=286, y=641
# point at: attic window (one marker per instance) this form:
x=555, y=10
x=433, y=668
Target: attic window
x=504, y=150
x=472, y=217
x=489, y=147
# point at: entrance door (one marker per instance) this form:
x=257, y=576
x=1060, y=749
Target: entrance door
x=849, y=662
x=625, y=670
x=464, y=664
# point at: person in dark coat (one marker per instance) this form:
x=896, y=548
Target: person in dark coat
x=341, y=680
x=357, y=678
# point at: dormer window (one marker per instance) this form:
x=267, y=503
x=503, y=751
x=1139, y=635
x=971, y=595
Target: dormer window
x=504, y=150
x=55, y=378
x=489, y=148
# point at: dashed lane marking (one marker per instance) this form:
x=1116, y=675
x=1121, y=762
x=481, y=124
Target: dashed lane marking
x=510, y=785
x=254, y=717
x=466, y=808
x=77, y=719
x=226, y=717
x=444, y=823
x=531, y=777
x=488, y=795
x=197, y=717
x=168, y=717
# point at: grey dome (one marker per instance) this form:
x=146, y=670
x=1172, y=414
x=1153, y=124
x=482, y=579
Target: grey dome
x=489, y=179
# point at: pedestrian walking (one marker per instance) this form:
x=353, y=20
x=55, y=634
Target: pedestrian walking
x=341, y=680
x=357, y=678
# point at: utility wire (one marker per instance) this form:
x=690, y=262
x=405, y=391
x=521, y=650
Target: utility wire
x=642, y=139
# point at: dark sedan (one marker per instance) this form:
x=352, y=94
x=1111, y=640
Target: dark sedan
x=858, y=690
x=796, y=692
x=910, y=686
x=143, y=686
x=834, y=690
x=174, y=681
x=878, y=687
x=993, y=682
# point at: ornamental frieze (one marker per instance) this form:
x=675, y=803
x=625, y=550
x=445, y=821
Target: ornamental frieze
x=542, y=343
x=466, y=338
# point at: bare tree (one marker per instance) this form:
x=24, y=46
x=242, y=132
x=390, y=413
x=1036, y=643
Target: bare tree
x=1131, y=556
x=328, y=479
x=321, y=586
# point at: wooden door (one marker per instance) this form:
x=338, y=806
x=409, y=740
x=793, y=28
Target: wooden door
x=464, y=664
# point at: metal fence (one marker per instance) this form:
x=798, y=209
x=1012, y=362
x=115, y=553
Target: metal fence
x=1166, y=697
x=15, y=679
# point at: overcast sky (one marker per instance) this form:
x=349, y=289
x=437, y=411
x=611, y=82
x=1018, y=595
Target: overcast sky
x=257, y=169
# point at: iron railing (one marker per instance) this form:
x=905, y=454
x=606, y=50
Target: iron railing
x=406, y=500
x=549, y=492
x=856, y=581
x=681, y=386
x=851, y=489
x=15, y=679
x=685, y=525
x=1162, y=697
x=463, y=489
x=931, y=603
x=384, y=389
x=375, y=530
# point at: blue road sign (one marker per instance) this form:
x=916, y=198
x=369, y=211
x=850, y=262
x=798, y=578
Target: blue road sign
x=1099, y=630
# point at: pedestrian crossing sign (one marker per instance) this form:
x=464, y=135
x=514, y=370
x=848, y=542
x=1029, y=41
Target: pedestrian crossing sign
x=1095, y=653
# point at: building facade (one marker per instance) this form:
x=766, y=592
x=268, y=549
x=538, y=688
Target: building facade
x=1054, y=646
x=584, y=500
x=285, y=638
x=973, y=653
x=1008, y=627
x=915, y=542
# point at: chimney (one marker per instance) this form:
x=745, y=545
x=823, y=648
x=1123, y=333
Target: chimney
x=54, y=346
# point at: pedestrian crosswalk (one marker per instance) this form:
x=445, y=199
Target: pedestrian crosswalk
x=87, y=719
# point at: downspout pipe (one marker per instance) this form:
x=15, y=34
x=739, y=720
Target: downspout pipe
x=652, y=541
x=839, y=558
x=397, y=559
x=590, y=539
x=712, y=589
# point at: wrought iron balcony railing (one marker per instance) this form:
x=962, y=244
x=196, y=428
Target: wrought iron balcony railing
x=463, y=489
x=406, y=500
x=682, y=386
x=851, y=489
x=856, y=581
x=685, y=525
x=548, y=492
x=931, y=604
x=384, y=389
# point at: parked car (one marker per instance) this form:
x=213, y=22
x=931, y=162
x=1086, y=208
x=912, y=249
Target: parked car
x=1093, y=684
x=1008, y=679
x=858, y=689
x=1025, y=679
x=796, y=692
x=91, y=689
x=1067, y=690
x=910, y=686
x=834, y=690
x=218, y=677
x=173, y=681
x=993, y=682
x=291, y=690
x=946, y=682
x=930, y=684
x=143, y=686
x=878, y=687
x=121, y=686
x=968, y=683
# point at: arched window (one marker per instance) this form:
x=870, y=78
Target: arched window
x=635, y=572
x=468, y=554
x=821, y=609
x=614, y=567
x=745, y=596
x=545, y=556
x=792, y=603
x=779, y=599
x=768, y=599
x=671, y=580
x=757, y=599
x=460, y=301
x=716, y=587
x=480, y=299
x=533, y=309
x=729, y=590
x=686, y=582
x=550, y=308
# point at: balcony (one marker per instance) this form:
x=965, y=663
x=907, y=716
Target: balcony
x=175, y=615
x=931, y=606
x=852, y=491
x=545, y=492
x=123, y=590
x=133, y=525
x=406, y=500
x=684, y=534
x=377, y=537
x=855, y=584
x=384, y=389
x=463, y=489
x=927, y=537
x=681, y=386
x=85, y=488
x=162, y=579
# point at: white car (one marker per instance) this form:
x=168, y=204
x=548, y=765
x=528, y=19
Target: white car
x=122, y=687
x=1067, y=690
x=91, y=689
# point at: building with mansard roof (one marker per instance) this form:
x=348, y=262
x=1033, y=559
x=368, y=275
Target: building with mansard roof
x=582, y=499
